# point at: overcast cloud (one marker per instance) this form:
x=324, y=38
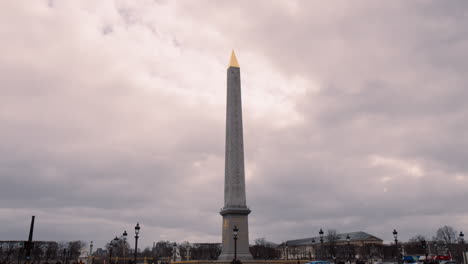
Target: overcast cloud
x=112, y=112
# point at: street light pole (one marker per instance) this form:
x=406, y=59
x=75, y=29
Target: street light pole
x=321, y=242
x=313, y=243
x=124, y=237
x=424, y=246
x=235, y=232
x=174, y=251
x=91, y=252
x=137, y=231
x=462, y=242
x=395, y=235
x=348, y=239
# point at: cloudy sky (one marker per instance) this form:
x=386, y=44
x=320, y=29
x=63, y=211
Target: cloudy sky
x=113, y=111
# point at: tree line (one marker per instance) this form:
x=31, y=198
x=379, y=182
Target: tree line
x=42, y=251
x=444, y=241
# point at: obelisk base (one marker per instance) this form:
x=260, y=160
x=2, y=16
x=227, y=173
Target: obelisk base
x=235, y=217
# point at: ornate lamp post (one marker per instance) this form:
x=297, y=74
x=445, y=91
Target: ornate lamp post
x=424, y=244
x=395, y=236
x=235, y=233
x=436, y=249
x=124, y=238
x=188, y=252
x=64, y=255
x=321, y=242
x=348, y=239
x=286, y=251
x=137, y=231
x=313, y=242
x=174, y=251
x=112, y=243
x=91, y=260
x=462, y=242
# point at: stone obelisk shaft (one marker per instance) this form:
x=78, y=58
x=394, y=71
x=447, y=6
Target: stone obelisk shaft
x=235, y=211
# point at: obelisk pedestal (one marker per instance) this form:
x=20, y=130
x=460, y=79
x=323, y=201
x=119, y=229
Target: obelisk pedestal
x=235, y=211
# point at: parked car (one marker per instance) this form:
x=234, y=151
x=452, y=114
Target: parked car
x=318, y=262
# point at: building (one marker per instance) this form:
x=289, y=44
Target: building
x=336, y=245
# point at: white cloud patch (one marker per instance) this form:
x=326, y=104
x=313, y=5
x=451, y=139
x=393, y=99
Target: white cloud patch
x=407, y=167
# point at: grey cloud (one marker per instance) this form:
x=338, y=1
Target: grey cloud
x=102, y=131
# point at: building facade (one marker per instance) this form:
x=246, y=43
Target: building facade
x=333, y=246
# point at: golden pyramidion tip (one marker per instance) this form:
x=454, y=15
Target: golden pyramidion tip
x=233, y=61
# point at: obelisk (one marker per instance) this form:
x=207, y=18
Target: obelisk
x=235, y=211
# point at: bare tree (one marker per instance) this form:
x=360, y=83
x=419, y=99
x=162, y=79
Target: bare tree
x=10, y=249
x=51, y=251
x=446, y=234
x=264, y=249
x=184, y=247
x=417, y=238
x=74, y=249
x=120, y=248
x=331, y=239
x=163, y=249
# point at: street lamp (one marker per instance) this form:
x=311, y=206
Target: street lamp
x=64, y=255
x=462, y=242
x=286, y=251
x=436, y=248
x=395, y=236
x=348, y=239
x=424, y=244
x=124, y=237
x=112, y=243
x=321, y=242
x=174, y=251
x=137, y=231
x=313, y=242
x=235, y=233
x=91, y=252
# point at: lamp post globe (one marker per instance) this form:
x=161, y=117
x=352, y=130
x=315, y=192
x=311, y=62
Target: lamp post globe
x=137, y=231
